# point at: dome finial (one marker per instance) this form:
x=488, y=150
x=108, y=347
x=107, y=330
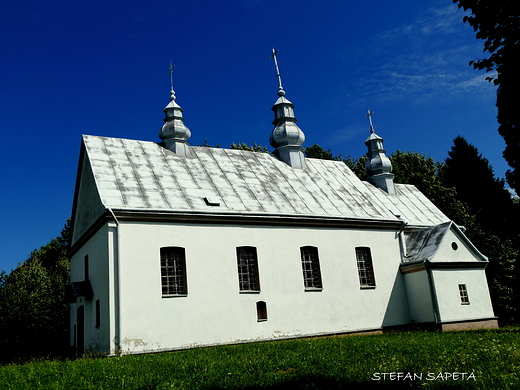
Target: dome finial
x=281, y=92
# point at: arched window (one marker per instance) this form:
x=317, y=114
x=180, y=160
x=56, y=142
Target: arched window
x=173, y=271
x=261, y=311
x=311, y=267
x=247, y=263
x=365, y=267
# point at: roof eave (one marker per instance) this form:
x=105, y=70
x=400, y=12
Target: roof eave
x=229, y=218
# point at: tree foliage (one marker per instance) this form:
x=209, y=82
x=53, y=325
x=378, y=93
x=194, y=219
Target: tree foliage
x=498, y=23
x=502, y=277
x=206, y=144
x=240, y=146
x=34, y=313
x=316, y=151
x=357, y=165
x=255, y=148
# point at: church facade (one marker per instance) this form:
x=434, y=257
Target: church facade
x=176, y=246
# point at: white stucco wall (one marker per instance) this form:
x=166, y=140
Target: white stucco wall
x=216, y=312
x=100, y=257
x=419, y=297
x=464, y=251
x=447, y=289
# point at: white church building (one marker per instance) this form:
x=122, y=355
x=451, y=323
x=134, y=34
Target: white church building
x=176, y=246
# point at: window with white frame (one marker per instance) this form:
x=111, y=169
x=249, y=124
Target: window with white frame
x=463, y=292
x=247, y=263
x=311, y=267
x=365, y=267
x=173, y=271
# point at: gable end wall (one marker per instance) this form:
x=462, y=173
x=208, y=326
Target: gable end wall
x=88, y=207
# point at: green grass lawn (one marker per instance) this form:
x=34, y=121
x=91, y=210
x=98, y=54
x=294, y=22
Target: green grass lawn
x=490, y=359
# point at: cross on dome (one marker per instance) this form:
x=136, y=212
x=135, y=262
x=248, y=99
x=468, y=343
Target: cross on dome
x=369, y=116
x=281, y=92
x=170, y=71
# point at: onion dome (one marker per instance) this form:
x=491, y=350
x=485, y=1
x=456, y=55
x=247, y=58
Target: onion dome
x=174, y=133
x=286, y=131
x=378, y=165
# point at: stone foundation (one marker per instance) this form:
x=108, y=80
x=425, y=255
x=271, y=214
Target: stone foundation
x=479, y=324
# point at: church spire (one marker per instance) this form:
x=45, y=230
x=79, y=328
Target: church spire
x=286, y=136
x=378, y=166
x=174, y=133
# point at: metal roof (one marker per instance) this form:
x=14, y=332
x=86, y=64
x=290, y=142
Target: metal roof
x=423, y=244
x=144, y=176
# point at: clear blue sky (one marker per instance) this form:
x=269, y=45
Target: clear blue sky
x=100, y=67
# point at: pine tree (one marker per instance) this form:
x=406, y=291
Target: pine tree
x=472, y=176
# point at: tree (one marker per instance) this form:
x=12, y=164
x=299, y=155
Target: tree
x=316, y=151
x=498, y=23
x=472, y=176
x=26, y=312
x=34, y=312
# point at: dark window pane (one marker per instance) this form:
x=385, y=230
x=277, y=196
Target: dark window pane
x=247, y=269
x=365, y=267
x=311, y=267
x=173, y=271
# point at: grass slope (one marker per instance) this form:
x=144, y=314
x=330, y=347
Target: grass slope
x=490, y=359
